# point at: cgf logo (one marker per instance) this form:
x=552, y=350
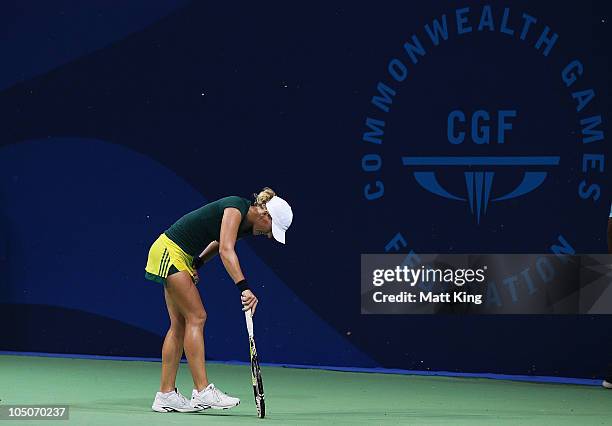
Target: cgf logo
x=476, y=169
x=481, y=180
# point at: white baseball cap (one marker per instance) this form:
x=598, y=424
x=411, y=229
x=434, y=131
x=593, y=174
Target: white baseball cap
x=281, y=214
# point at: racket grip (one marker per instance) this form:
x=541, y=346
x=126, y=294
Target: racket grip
x=249, y=322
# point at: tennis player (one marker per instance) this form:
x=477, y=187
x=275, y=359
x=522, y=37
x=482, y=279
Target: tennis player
x=173, y=261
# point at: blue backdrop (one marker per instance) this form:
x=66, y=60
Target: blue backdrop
x=118, y=119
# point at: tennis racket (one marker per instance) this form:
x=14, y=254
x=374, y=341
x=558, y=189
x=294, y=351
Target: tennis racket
x=258, y=390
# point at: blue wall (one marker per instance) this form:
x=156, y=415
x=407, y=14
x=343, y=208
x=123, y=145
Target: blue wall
x=118, y=121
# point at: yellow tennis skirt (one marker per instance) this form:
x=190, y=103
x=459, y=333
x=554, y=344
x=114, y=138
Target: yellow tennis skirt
x=166, y=258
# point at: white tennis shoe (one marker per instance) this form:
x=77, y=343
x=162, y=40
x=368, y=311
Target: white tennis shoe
x=212, y=397
x=172, y=401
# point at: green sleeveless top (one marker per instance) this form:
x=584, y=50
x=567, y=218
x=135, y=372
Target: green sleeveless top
x=194, y=231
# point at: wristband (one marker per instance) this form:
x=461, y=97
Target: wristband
x=242, y=285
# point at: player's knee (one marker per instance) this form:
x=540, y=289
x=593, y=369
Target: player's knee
x=197, y=318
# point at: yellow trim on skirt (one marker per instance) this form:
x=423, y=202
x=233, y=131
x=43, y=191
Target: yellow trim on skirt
x=163, y=254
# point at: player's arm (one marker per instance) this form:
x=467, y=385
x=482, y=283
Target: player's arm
x=227, y=241
x=209, y=252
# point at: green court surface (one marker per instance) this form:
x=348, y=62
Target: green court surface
x=102, y=392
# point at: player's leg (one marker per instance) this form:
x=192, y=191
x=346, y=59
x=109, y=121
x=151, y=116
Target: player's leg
x=172, y=349
x=186, y=298
x=169, y=398
x=184, y=293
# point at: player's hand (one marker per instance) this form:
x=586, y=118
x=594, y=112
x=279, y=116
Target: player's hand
x=249, y=301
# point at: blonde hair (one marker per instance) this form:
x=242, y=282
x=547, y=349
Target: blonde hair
x=263, y=197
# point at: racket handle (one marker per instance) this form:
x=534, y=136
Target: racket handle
x=249, y=322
